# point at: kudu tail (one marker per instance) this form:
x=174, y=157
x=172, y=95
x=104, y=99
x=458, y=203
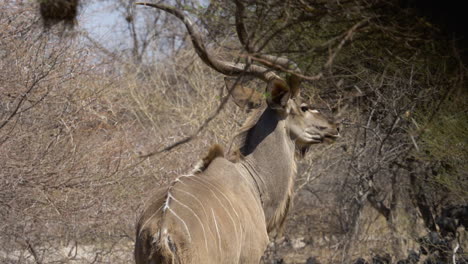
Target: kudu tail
x=156, y=250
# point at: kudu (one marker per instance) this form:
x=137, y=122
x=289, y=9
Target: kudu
x=224, y=213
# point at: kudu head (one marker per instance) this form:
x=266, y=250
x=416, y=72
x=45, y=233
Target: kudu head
x=304, y=124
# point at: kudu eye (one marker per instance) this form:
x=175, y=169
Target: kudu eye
x=304, y=108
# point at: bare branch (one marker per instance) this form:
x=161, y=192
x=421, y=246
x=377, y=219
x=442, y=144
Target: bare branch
x=278, y=63
x=226, y=68
x=347, y=36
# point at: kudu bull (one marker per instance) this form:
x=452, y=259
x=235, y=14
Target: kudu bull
x=224, y=213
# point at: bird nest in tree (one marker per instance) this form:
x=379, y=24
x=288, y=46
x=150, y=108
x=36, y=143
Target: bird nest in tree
x=55, y=11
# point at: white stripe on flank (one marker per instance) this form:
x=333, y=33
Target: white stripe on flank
x=199, y=220
x=166, y=204
x=185, y=176
x=240, y=244
x=232, y=206
x=225, y=197
x=222, y=205
x=198, y=200
x=151, y=217
x=183, y=222
x=201, y=204
x=217, y=232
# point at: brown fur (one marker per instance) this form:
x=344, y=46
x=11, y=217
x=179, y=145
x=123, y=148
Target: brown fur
x=277, y=221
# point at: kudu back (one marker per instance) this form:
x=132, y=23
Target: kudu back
x=224, y=212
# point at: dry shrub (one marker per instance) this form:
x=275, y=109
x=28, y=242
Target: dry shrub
x=72, y=182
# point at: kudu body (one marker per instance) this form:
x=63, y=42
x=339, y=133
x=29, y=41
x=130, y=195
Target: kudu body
x=224, y=213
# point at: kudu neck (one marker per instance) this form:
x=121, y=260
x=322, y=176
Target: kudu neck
x=269, y=158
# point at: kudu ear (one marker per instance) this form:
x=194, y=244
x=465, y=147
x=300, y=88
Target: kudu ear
x=294, y=83
x=244, y=97
x=278, y=94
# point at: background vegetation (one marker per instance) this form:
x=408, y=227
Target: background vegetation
x=76, y=115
